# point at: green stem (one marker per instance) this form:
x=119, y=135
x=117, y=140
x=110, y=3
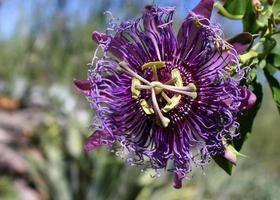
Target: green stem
x=225, y=13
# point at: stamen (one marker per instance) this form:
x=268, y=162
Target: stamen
x=178, y=90
x=159, y=87
x=175, y=73
x=135, y=90
x=193, y=95
x=164, y=121
x=189, y=88
x=147, y=109
x=164, y=95
x=174, y=102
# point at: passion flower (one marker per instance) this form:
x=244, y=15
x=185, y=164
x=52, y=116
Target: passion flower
x=162, y=97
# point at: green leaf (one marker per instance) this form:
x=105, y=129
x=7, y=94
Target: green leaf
x=235, y=152
x=273, y=59
x=224, y=12
x=276, y=60
x=252, y=74
x=246, y=123
x=276, y=8
x=273, y=51
x=223, y=163
x=246, y=120
x=227, y=161
x=276, y=49
x=248, y=56
x=249, y=19
x=269, y=44
x=274, y=85
x=236, y=7
x=264, y=15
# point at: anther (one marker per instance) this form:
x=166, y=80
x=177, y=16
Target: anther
x=191, y=87
x=147, y=109
x=174, y=101
x=135, y=88
x=175, y=73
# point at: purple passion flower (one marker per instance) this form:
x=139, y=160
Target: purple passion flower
x=162, y=97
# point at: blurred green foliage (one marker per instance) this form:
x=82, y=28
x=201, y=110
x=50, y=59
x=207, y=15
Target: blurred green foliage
x=53, y=52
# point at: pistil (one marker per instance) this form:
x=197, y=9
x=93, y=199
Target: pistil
x=154, y=68
x=124, y=65
x=157, y=88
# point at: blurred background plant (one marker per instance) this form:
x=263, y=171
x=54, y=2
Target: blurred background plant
x=44, y=121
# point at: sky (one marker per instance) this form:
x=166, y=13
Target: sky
x=18, y=12
x=13, y=12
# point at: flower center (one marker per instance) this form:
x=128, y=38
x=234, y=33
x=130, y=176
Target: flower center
x=158, y=89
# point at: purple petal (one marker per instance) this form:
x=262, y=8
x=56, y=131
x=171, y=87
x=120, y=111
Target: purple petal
x=204, y=8
x=248, y=100
x=114, y=44
x=241, y=42
x=150, y=20
x=201, y=56
x=83, y=86
x=191, y=37
x=211, y=65
x=151, y=28
x=97, y=139
x=99, y=37
x=158, y=29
